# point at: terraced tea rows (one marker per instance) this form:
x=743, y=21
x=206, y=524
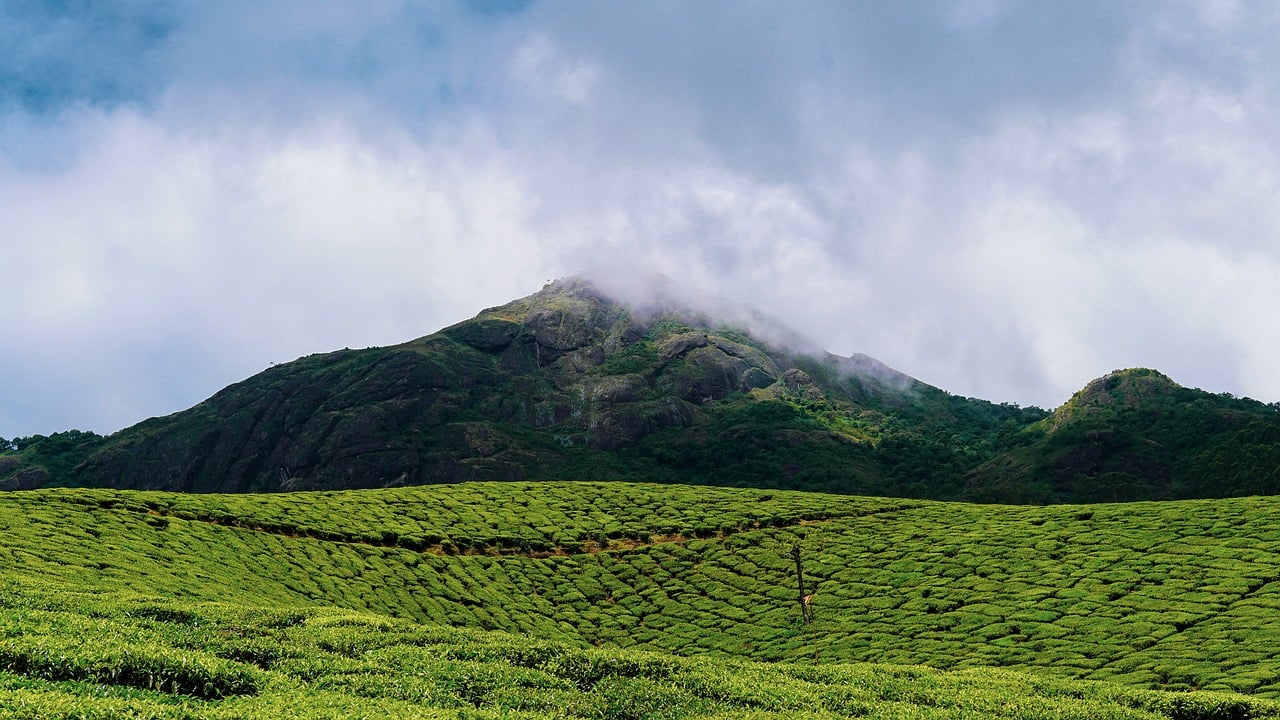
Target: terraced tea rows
x=1172, y=595
x=484, y=517
x=89, y=656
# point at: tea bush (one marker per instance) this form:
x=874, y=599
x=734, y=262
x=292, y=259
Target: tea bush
x=1175, y=596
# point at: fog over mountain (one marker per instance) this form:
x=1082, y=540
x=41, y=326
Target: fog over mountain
x=1002, y=199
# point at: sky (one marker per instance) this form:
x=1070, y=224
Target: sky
x=1003, y=199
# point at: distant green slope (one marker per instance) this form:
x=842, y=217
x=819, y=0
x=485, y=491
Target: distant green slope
x=1177, y=595
x=45, y=461
x=1137, y=435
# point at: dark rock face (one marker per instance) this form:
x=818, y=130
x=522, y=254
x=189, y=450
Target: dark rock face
x=18, y=475
x=10, y=464
x=489, y=336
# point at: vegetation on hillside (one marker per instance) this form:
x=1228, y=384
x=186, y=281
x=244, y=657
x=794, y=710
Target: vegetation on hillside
x=1179, y=595
x=1133, y=435
x=568, y=383
x=68, y=654
x=44, y=460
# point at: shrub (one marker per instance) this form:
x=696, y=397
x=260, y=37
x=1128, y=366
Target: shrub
x=150, y=667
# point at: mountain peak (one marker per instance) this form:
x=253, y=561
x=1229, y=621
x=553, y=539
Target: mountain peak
x=647, y=294
x=1118, y=389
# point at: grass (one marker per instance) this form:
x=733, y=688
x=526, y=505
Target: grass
x=137, y=599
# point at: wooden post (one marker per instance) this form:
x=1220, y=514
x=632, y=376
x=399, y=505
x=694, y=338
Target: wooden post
x=804, y=598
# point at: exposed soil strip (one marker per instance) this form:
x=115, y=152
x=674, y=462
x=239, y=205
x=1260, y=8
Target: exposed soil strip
x=521, y=547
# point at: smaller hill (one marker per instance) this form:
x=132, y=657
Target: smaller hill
x=1136, y=434
x=44, y=460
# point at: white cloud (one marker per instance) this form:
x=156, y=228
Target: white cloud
x=981, y=194
x=243, y=253
x=542, y=69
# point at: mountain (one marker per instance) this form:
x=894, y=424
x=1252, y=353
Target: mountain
x=1137, y=435
x=651, y=382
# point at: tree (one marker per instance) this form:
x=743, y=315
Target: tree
x=804, y=595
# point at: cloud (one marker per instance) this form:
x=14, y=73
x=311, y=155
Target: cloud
x=1003, y=199
x=221, y=254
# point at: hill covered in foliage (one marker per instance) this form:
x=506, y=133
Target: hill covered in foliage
x=1173, y=596
x=1133, y=435
x=617, y=601
x=573, y=383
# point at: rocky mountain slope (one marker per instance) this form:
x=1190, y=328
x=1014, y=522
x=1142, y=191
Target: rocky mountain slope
x=573, y=383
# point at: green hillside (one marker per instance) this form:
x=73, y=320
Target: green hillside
x=567, y=382
x=1133, y=435
x=1178, y=595
x=571, y=383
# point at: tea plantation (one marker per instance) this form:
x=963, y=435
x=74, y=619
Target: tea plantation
x=376, y=604
x=71, y=654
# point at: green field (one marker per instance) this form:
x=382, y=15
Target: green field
x=68, y=654
x=116, y=599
